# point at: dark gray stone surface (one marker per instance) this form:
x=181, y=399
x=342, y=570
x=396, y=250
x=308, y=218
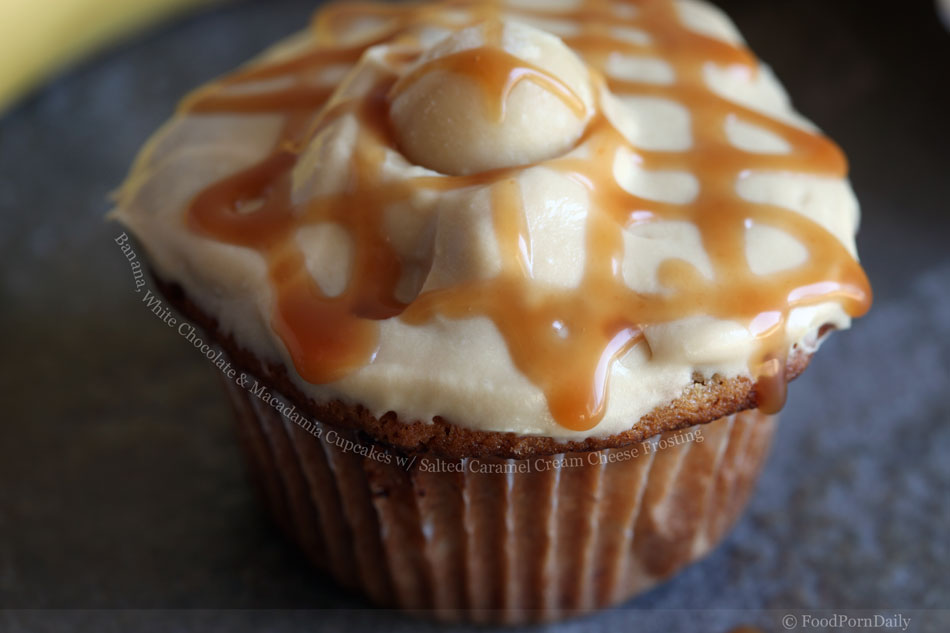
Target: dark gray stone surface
x=123, y=500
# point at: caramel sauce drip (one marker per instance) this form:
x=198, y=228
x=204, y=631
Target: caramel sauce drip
x=563, y=340
x=497, y=73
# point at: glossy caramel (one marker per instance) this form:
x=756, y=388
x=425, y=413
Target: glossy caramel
x=562, y=340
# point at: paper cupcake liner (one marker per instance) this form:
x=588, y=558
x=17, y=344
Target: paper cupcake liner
x=501, y=540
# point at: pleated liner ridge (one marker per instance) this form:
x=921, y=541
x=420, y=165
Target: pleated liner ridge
x=541, y=542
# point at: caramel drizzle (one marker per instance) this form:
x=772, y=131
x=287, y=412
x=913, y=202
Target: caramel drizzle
x=564, y=341
x=497, y=73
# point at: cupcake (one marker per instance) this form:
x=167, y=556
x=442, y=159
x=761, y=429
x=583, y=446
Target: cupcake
x=505, y=295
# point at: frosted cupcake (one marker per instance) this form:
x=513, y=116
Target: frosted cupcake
x=511, y=291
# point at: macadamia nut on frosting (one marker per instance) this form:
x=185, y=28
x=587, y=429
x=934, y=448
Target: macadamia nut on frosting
x=447, y=122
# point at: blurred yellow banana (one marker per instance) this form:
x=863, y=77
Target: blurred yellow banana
x=39, y=37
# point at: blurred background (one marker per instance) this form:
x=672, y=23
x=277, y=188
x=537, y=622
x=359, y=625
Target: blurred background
x=123, y=499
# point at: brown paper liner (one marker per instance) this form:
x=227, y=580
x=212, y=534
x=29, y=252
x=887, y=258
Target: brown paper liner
x=556, y=536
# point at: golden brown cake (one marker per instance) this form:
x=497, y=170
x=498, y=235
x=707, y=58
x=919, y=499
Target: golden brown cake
x=506, y=293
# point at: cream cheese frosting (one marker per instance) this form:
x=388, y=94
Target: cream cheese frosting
x=498, y=206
